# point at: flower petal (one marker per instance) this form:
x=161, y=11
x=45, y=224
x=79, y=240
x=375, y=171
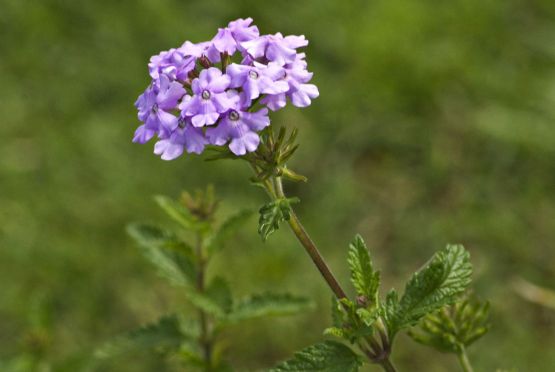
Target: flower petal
x=248, y=142
x=219, y=134
x=143, y=134
x=194, y=139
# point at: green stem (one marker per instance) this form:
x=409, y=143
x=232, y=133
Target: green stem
x=205, y=339
x=387, y=366
x=379, y=354
x=310, y=247
x=464, y=361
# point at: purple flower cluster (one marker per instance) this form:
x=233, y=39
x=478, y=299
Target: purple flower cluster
x=219, y=92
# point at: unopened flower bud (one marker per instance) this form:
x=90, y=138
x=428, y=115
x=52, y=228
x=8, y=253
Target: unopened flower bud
x=193, y=74
x=362, y=301
x=204, y=61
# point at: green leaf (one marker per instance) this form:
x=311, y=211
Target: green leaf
x=363, y=276
x=226, y=231
x=164, y=335
x=177, y=212
x=327, y=356
x=269, y=304
x=444, y=278
x=216, y=300
x=156, y=245
x=454, y=327
x=145, y=234
x=389, y=310
x=220, y=293
x=174, y=262
x=273, y=214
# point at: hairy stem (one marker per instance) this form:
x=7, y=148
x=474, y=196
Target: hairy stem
x=205, y=339
x=379, y=354
x=310, y=247
x=387, y=366
x=464, y=361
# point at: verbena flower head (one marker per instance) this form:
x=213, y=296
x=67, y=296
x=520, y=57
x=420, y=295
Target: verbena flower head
x=218, y=92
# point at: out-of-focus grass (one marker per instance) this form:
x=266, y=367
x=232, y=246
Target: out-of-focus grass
x=435, y=124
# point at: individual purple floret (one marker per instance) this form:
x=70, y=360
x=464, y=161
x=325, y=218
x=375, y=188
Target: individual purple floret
x=256, y=80
x=154, y=106
x=172, y=63
x=185, y=136
x=301, y=94
x=228, y=39
x=241, y=127
x=224, y=42
x=219, y=91
x=210, y=98
x=242, y=30
x=275, y=48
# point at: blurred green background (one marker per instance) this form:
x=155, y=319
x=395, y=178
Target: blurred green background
x=435, y=124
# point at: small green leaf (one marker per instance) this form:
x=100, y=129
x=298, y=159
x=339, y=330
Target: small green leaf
x=444, y=278
x=177, y=212
x=226, y=231
x=155, y=244
x=336, y=332
x=454, y=327
x=328, y=356
x=389, y=309
x=273, y=214
x=269, y=304
x=368, y=317
x=363, y=276
x=164, y=335
x=350, y=321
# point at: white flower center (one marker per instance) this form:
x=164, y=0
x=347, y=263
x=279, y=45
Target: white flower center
x=253, y=74
x=234, y=115
x=205, y=94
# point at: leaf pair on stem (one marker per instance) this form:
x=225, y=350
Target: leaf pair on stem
x=427, y=293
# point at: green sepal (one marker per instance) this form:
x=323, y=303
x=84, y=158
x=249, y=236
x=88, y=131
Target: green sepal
x=291, y=175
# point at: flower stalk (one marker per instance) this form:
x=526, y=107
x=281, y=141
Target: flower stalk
x=464, y=361
x=378, y=353
x=309, y=246
x=205, y=338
